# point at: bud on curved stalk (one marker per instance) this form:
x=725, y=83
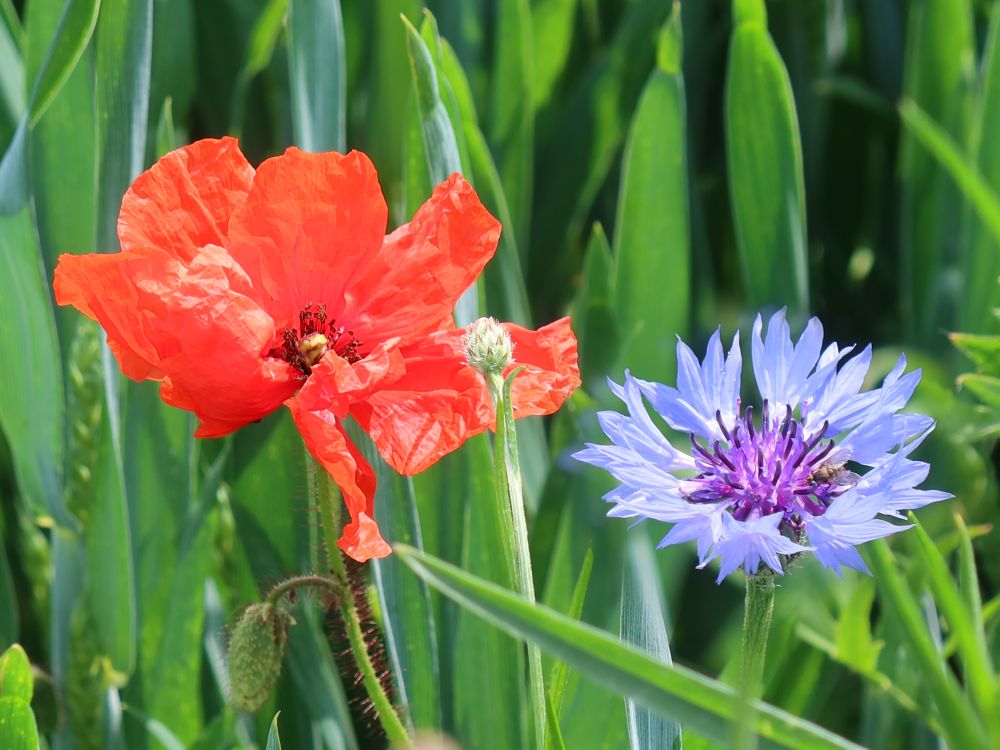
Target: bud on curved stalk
x=256, y=652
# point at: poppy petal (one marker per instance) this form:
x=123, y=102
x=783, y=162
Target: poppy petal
x=309, y=222
x=329, y=444
x=441, y=401
x=551, y=370
x=189, y=324
x=431, y=410
x=184, y=201
x=335, y=383
x=411, y=286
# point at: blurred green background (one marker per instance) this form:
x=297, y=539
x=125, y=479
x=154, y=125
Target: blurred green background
x=658, y=172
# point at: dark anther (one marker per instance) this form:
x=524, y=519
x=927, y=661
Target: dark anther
x=722, y=426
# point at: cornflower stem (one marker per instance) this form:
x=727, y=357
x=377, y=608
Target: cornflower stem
x=510, y=496
x=758, y=613
x=329, y=513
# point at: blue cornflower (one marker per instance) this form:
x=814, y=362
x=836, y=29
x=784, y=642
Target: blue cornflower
x=752, y=489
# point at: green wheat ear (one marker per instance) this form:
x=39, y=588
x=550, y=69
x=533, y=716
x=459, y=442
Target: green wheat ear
x=84, y=408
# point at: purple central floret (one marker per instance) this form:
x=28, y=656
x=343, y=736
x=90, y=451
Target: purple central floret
x=754, y=494
x=776, y=467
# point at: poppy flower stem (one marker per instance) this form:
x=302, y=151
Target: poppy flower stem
x=393, y=726
x=757, y=615
x=511, y=499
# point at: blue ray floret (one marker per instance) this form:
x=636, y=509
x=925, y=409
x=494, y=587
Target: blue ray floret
x=820, y=467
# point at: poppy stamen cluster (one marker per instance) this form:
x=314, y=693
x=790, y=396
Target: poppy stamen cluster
x=304, y=346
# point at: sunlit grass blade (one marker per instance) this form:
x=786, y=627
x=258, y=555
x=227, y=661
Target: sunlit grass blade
x=959, y=723
x=703, y=705
x=972, y=648
x=31, y=387
x=642, y=624
x=981, y=261
x=764, y=160
x=273, y=740
x=552, y=27
x=512, y=112
x=652, y=239
x=317, y=73
x=938, y=75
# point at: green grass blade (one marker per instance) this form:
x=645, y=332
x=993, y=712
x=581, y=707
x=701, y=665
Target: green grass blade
x=11, y=84
x=764, y=157
x=552, y=26
x=966, y=629
x=560, y=670
x=17, y=725
x=512, y=118
x=73, y=35
x=981, y=260
x=9, y=611
x=273, y=740
x=595, y=318
x=703, y=705
x=652, y=238
x=62, y=150
x=124, y=53
x=960, y=725
x=31, y=389
x=642, y=624
x=938, y=75
x=16, y=680
x=317, y=72
x=943, y=149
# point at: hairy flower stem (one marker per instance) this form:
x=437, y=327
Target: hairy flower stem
x=387, y=716
x=509, y=493
x=296, y=581
x=758, y=613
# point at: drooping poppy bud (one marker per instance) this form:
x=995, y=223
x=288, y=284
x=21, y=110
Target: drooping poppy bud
x=255, y=654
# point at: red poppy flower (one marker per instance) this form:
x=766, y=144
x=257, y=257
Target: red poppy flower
x=243, y=290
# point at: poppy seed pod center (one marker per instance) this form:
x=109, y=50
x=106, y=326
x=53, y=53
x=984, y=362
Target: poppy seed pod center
x=303, y=346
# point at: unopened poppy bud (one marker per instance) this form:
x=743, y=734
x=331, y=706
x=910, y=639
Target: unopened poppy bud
x=488, y=347
x=255, y=654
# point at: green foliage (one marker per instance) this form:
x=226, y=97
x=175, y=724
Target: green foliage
x=698, y=138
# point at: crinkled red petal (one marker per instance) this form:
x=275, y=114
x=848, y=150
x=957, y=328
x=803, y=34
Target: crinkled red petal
x=309, y=223
x=551, y=367
x=190, y=324
x=185, y=200
x=410, y=287
x=329, y=444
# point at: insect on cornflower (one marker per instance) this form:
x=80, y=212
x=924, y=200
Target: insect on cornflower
x=819, y=467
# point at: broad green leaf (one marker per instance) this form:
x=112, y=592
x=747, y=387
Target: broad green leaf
x=578, y=145
x=552, y=26
x=17, y=725
x=960, y=726
x=764, y=165
x=979, y=247
x=63, y=151
x=595, y=318
x=512, y=120
x=442, y=147
x=75, y=29
x=938, y=75
x=273, y=740
x=124, y=53
x=703, y=705
x=16, y=680
x=31, y=389
x=643, y=624
x=652, y=240
x=110, y=586
x=317, y=69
